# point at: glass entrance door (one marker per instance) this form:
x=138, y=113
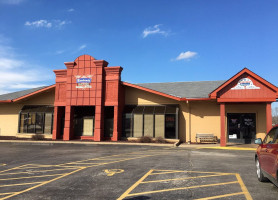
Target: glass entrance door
x=241, y=127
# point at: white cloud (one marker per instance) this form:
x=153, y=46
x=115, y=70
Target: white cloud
x=59, y=52
x=154, y=30
x=82, y=47
x=7, y=63
x=17, y=73
x=47, y=23
x=11, y=2
x=71, y=10
x=186, y=55
x=59, y=23
x=39, y=23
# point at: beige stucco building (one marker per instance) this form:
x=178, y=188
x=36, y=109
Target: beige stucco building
x=89, y=101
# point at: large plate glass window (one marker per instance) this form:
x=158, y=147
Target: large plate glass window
x=152, y=121
x=36, y=119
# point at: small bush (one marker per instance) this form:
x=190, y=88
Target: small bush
x=145, y=139
x=160, y=140
x=38, y=137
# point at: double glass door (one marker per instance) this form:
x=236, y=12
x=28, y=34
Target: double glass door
x=241, y=127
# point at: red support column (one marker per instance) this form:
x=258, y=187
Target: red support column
x=223, y=139
x=268, y=117
x=99, y=118
x=68, y=129
x=55, y=124
x=116, y=121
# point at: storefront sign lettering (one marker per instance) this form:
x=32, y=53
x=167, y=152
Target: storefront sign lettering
x=83, y=81
x=245, y=83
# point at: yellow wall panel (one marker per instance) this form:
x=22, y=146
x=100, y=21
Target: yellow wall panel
x=9, y=112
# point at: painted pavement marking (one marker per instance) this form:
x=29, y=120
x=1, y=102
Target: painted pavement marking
x=206, y=180
x=21, y=179
x=112, y=172
x=230, y=148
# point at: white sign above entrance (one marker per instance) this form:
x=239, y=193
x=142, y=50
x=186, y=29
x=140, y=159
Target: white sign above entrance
x=83, y=81
x=245, y=83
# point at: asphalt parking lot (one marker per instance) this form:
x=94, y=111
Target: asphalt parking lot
x=72, y=171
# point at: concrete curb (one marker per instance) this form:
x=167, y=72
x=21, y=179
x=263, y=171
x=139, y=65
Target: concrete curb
x=218, y=147
x=176, y=145
x=230, y=148
x=86, y=143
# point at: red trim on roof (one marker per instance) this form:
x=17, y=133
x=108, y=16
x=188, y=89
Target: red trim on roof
x=33, y=93
x=197, y=99
x=247, y=100
x=5, y=101
x=213, y=94
x=152, y=91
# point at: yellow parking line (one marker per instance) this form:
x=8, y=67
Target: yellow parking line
x=68, y=166
x=5, y=179
x=194, y=177
x=35, y=165
x=1, y=194
x=170, y=171
x=38, y=166
x=106, y=159
x=134, y=185
x=86, y=163
x=229, y=148
x=90, y=159
x=38, y=171
x=11, y=169
x=119, y=160
x=42, y=183
x=86, y=166
x=10, y=185
x=221, y=196
x=182, y=188
x=243, y=187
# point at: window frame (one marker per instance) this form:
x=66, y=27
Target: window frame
x=174, y=110
x=26, y=111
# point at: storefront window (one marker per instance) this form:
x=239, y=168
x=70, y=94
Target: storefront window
x=48, y=123
x=108, y=121
x=36, y=119
x=149, y=121
x=152, y=121
x=84, y=120
x=138, y=121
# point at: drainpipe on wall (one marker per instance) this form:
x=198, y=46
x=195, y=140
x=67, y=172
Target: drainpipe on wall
x=189, y=108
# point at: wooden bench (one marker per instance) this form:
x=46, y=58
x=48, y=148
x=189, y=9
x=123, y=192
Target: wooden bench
x=206, y=137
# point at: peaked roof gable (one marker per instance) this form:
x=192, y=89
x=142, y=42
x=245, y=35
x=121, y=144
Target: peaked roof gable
x=214, y=94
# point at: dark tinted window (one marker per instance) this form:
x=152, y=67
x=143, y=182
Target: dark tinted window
x=271, y=136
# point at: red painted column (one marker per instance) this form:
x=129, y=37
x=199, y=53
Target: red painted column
x=99, y=118
x=68, y=129
x=55, y=123
x=116, y=119
x=268, y=117
x=223, y=139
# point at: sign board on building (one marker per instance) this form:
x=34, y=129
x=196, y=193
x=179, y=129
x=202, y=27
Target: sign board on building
x=245, y=83
x=83, y=81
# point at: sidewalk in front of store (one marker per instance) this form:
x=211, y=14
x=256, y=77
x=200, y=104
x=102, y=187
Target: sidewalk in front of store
x=230, y=146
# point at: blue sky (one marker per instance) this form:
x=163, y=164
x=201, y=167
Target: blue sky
x=153, y=40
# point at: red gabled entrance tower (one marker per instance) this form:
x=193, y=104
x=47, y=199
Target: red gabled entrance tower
x=87, y=83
